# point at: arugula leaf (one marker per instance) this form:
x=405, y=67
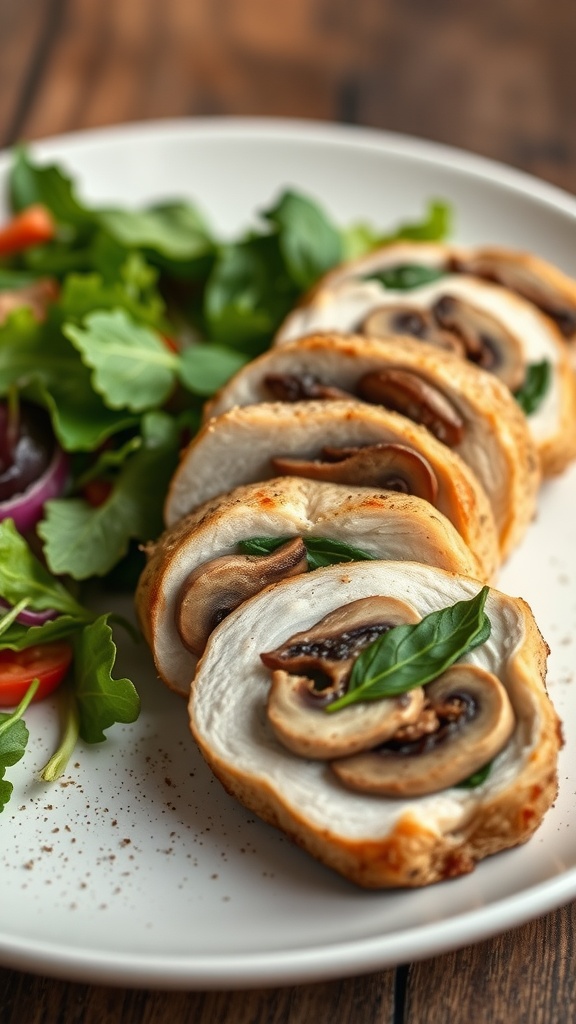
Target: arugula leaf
x=319, y=550
x=206, y=368
x=133, y=368
x=413, y=655
x=310, y=244
x=532, y=393
x=13, y=740
x=435, y=226
x=18, y=637
x=56, y=766
x=406, y=276
x=23, y=577
x=84, y=541
x=102, y=701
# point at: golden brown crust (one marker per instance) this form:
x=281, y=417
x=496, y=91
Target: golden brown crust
x=421, y=846
x=497, y=444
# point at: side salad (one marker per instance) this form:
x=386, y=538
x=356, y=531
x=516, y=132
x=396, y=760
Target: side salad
x=115, y=326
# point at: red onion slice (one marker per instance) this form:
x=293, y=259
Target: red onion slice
x=26, y=508
x=28, y=617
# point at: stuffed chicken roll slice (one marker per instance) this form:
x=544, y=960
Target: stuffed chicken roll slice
x=474, y=738
x=345, y=442
x=484, y=323
x=470, y=411
x=229, y=550
x=404, y=265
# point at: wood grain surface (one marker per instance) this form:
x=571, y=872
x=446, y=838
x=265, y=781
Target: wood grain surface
x=495, y=78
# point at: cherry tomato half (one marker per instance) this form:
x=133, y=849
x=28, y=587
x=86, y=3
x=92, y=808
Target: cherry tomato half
x=32, y=226
x=47, y=662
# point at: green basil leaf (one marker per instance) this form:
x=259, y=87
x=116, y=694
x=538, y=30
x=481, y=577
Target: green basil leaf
x=320, y=550
x=535, y=387
x=413, y=655
x=102, y=701
x=406, y=276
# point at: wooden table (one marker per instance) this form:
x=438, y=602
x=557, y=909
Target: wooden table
x=496, y=78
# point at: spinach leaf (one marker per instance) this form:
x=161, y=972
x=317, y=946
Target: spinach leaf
x=406, y=276
x=309, y=242
x=413, y=655
x=535, y=387
x=319, y=550
x=31, y=183
x=173, y=230
x=476, y=779
x=248, y=294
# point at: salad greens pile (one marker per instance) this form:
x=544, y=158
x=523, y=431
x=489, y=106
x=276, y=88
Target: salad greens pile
x=152, y=313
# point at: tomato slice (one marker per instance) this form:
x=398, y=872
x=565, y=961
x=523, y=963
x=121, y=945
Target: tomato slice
x=32, y=226
x=47, y=662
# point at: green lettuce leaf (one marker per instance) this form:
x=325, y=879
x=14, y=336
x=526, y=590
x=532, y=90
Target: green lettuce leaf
x=84, y=541
x=132, y=367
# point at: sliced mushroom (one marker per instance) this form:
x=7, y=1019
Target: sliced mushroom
x=392, y=467
x=387, y=321
x=215, y=588
x=475, y=722
x=297, y=387
x=406, y=392
x=485, y=340
x=296, y=713
x=513, y=273
x=326, y=652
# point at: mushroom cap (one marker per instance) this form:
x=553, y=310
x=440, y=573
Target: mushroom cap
x=376, y=841
x=469, y=745
x=238, y=446
x=297, y=709
x=384, y=524
x=496, y=444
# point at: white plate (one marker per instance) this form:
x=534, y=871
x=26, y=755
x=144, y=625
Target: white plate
x=137, y=868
